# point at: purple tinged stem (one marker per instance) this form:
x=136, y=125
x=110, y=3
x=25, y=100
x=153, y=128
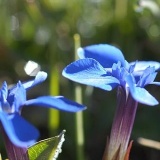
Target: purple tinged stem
x=14, y=152
x=122, y=126
x=129, y=118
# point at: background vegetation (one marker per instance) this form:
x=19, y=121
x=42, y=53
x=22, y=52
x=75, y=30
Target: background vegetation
x=42, y=31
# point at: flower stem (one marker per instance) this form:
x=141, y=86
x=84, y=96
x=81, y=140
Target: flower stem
x=14, y=152
x=79, y=127
x=79, y=115
x=121, y=127
x=54, y=90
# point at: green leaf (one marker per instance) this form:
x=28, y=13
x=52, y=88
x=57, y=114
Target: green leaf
x=47, y=149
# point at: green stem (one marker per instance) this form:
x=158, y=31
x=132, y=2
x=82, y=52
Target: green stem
x=53, y=121
x=79, y=115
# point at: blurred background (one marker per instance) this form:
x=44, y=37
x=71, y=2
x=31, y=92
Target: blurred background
x=43, y=31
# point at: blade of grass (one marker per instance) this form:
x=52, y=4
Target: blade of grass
x=79, y=116
x=53, y=121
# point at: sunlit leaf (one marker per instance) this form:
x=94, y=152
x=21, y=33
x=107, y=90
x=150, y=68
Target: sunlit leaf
x=47, y=149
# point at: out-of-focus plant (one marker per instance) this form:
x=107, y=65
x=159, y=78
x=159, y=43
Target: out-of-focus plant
x=79, y=116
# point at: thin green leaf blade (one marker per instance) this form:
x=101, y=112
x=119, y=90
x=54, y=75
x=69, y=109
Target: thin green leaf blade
x=47, y=149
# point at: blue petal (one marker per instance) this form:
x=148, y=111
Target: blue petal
x=140, y=94
x=40, y=77
x=143, y=96
x=88, y=71
x=20, y=132
x=59, y=103
x=105, y=54
x=3, y=98
x=142, y=65
x=17, y=97
x=4, y=90
x=119, y=72
x=131, y=67
x=147, y=77
x=156, y=83
x=150, y=78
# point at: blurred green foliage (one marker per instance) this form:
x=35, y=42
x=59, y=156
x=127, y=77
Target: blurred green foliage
x=43, y=31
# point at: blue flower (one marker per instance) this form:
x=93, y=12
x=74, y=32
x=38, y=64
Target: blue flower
x=20, y=132
x=105, y=67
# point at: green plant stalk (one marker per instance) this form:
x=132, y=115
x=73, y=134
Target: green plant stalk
x=54, y=90
x=79, y=115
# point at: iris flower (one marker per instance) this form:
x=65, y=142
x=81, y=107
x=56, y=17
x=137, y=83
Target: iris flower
x=105, y=67
x=16, y=130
